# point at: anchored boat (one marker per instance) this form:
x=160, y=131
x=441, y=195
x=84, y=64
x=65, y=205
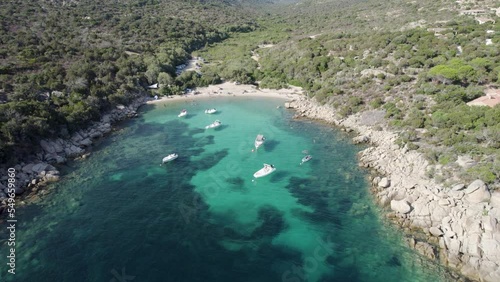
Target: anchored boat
x=210, y=111
x=169, y=158
x=183, y=113
x=259, y=141
x=215, y=124
x=306, y=159
x=266, y=170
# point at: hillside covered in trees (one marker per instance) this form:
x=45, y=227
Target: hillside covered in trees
x=418, y=63
x=62, y=63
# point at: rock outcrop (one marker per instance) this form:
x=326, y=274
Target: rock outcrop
x=55, y=151
x=59, y=150
x=477, y=192
x=384, y=182
x=435, y=231
x=28, y=175
x=400, y=206
x=462, y=220
x=361, y=139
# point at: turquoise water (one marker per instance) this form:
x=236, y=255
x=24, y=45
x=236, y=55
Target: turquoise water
x=120, y=216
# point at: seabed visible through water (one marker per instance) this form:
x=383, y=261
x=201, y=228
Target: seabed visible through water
x=202, y=217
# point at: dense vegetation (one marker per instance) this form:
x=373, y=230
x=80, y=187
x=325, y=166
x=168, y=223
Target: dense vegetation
x=419, y=62
x=421, y=80
x=62, y=64
x=421, y=76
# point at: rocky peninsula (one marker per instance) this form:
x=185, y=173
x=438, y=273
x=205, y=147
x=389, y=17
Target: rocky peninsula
x=460, y=223
x=35, y=173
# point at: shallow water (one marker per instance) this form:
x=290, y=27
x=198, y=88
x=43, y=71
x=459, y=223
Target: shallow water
x=120, y=216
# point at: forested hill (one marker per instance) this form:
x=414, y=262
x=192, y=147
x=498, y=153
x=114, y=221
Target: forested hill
x=417, y=62
x=411, y=65
x=62, y=63
x=356, y=16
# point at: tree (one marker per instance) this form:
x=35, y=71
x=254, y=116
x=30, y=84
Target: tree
x=165, y=79
x=444, y=74
x=153, y=72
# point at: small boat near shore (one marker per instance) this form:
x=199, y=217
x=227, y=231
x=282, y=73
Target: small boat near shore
x=259, y=140
x=306, y=159
x=215, y=124
x=210, y=111
x=266, y=170
x=183, y=113
x=169, y=158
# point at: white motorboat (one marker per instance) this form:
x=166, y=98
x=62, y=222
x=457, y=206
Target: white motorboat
x=306, y=159
x=215, y=124
x=267, y=169
x=259, y=141
x=183, y=113
x=210, y=111
x=170, y=158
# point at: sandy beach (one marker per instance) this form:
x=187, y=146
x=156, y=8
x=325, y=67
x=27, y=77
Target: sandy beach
x=228, y=89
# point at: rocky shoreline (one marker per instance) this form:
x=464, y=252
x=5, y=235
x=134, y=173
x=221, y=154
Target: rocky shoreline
x=33, y=175
x=460, y=224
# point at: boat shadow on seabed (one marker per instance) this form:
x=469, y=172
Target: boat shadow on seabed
x=278, y=176
x=221, y=127
x=270, y=145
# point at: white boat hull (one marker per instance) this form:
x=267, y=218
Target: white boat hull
x=213, y=125
x=258, y=144
x=169, y=158
x=259, y=141
x=306, y=159
x=263, y=172
x=182, y=114
x=211, y=111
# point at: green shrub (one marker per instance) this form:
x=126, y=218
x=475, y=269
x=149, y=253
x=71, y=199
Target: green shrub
x=416, y=119
x=392, y=110
x=376, y=103
x=483, y=172
x=444, y=159
x=412, y=146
